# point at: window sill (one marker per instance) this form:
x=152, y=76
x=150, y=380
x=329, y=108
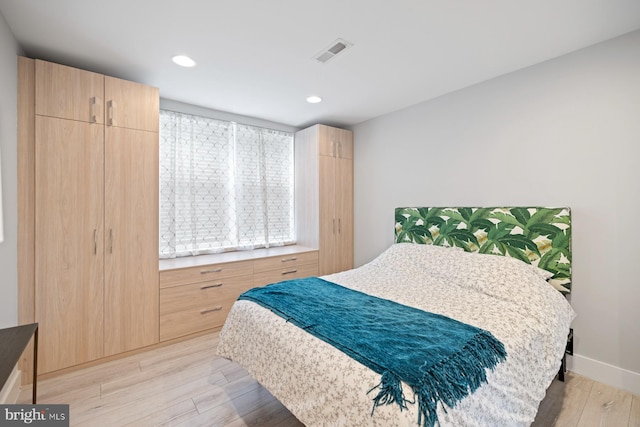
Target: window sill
x=200, y=260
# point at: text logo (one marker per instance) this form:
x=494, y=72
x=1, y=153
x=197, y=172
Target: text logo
x=34, y=415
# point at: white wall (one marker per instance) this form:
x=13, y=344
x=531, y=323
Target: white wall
x=564, y=132
x=9, y=170
x=181, y=107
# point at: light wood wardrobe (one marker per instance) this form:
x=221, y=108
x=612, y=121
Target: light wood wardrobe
x=324, y=195
x=88, y=171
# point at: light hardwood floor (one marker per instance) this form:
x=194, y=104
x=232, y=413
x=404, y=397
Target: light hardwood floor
x=186, y=384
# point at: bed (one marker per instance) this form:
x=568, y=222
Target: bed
x=506, y=270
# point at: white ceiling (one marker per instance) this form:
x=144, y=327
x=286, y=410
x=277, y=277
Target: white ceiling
x=255, y=57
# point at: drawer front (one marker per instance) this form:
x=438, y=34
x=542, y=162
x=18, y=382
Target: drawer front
x=293, y=272
x=204, y=273
x=202, y=294
x=180, y=323
x=285, y=261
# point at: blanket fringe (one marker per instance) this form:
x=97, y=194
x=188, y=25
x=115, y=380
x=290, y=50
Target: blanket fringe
x=390, y=392
x=446, y=382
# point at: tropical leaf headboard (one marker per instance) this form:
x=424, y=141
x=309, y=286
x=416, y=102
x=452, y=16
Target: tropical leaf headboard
x=539, y=236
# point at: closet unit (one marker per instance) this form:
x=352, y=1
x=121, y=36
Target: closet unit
x=95, y=251
x=324, y=195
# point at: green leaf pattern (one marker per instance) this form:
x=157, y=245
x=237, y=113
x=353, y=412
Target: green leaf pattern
x=539, y=236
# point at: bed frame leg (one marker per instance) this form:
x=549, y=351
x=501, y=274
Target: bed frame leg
x=568, y=350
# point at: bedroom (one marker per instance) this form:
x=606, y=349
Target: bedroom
x=562, y=132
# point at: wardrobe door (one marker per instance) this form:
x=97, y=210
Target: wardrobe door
x=69, y=185
x=131, y=239
x=344, y=213
x=328, y=223
x=69, y=93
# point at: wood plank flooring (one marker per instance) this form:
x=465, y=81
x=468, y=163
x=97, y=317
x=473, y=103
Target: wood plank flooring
x=186, y=384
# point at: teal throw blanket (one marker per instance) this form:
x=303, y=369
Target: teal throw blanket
x=441, y=359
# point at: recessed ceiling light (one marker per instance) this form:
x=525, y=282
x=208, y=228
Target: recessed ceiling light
x=314, y=99
x=184, y=61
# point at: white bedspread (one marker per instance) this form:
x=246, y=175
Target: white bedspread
x=322, y=386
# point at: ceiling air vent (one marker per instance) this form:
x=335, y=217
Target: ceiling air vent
x=334, y=49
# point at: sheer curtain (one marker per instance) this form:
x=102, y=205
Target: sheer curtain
x=223, y=186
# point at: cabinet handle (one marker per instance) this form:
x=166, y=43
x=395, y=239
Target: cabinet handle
x=211, y=310
x=217, y=285
x=289, y=272
x=110, y=113
x=333, y=148
x=95, y=241
x=110, y=241
x=217, y=270
x=339, y=226
x=339, y=149
x=92, y=110
x=334, y=226
x=289, y=259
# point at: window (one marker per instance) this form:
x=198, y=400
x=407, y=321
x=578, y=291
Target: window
x=223, y=186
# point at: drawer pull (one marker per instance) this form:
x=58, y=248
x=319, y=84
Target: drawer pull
x=289, y=272
x=211, y=310
x=289, y=259
x=217, y=270
x=217, y=285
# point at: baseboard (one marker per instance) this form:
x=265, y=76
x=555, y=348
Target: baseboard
x=11, y=389
x=605, y=373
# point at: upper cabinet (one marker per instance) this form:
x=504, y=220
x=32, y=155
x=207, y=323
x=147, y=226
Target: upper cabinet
x=69, y=93
x=335, y=142
x=131, y=105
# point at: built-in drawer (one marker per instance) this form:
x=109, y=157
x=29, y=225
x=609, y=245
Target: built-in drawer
x=204, y=273
x=199, y=306
x=291, y=272
x=209, y=293
x=285, y=261
x=185, y=322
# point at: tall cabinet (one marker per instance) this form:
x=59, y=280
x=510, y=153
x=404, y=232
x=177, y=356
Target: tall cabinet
x=324, y=195
x=95, y=180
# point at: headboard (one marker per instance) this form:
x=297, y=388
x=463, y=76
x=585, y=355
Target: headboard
x=539, y=236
